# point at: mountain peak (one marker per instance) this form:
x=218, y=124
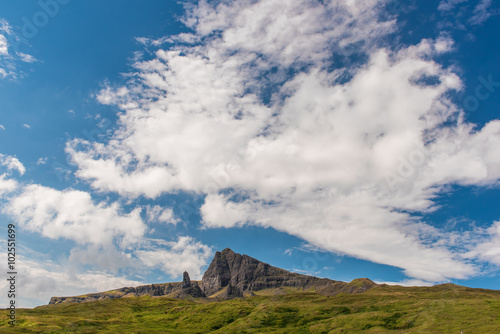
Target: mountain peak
x=228, y=251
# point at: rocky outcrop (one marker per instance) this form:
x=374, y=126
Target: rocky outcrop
x=189, y=289
x=231, y=275
x=186, y=281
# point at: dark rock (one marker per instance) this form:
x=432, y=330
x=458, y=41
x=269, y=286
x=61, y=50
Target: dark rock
x=186, y=281
x=230, y=292
x=189, y=289
x=193, y=291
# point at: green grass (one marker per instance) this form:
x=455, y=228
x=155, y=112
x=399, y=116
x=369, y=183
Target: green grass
x=387, y=309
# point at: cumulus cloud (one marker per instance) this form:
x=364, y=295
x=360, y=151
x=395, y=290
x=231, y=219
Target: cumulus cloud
x=175, y=257
x=7, y=165
x=261, y=116
x=72, y=214
x=7, y=185
x=12, y=163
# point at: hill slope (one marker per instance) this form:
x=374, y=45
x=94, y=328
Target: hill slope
x=384, y=309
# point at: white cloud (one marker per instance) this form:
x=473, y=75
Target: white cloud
x=26, y=58
x=482, y=12
x=5, y=27
x=289, y=31
x=156, y=213
x=9, y=58
x=4, y=47
x=185, y=254
x=42, y=161
x=73, y=215
x=338, y=162
x=8, y=185
x=12, y=163
x=447, y=5
x=489, y=247
x=2, y=127
x=26, y=126
x=409, y=283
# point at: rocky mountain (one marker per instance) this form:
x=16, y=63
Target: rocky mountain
x=232, y=275
x=243, y=273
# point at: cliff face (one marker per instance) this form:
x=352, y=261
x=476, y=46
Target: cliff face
x=241, y=273
x=231, y=275
x=245, y=273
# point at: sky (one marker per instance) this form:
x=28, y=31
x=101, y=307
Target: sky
x=334, y=138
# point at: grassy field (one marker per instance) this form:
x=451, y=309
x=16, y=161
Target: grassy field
x=386, y=309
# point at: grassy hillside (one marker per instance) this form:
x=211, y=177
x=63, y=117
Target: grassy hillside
x=387, y=309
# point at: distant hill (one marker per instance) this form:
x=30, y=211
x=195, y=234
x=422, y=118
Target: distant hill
x=230, y=275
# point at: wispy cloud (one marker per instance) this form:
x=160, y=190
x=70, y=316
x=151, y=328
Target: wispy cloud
x=26, y=126
x=464, y=15
x=42, y=161
x=448, y=5
x=482, y=12
x=10, y=59
x=26, y=57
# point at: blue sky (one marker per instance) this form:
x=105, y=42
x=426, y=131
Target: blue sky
x=341, y=139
